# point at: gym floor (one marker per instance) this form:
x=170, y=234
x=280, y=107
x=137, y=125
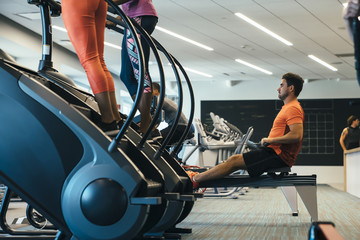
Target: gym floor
x=262, y=213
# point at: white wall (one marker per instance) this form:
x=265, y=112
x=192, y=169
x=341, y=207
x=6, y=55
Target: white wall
x=332, y=175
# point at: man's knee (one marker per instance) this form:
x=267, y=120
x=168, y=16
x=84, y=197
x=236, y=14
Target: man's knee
x=237, y=161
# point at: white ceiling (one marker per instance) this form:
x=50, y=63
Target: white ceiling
x=314, y=27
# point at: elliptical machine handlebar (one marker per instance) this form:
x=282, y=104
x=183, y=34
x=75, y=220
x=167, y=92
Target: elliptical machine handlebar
x=130, y=26
x=174, y=62
x=55, y=7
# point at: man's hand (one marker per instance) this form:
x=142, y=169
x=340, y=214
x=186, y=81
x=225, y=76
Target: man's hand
x=352, y=9
x=293, y=136
x=265, y=140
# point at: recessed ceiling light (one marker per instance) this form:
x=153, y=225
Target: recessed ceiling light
x=253, y=66
x=322, y=62
x=264, y=29
x=198, y=72
x=195, y=71
x=184, y=38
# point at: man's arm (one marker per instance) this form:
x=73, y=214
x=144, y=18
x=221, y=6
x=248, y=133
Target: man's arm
x=342, y=138
x=293, y=136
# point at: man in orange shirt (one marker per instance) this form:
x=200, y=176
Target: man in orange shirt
x=285, y=139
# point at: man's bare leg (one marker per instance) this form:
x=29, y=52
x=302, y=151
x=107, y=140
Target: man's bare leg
x=233, y=163
x=144, y=108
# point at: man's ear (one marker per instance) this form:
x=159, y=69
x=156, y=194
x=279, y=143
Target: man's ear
x=292, y=88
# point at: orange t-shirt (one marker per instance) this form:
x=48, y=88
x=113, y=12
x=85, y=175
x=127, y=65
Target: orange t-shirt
x=289, y=114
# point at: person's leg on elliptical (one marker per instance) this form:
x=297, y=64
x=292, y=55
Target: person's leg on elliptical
x=100, y=20
x=114, y=107
x=80, y=19
x=127, y=74
x=145, y=110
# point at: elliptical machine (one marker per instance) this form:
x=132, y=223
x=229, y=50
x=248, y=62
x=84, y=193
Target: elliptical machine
x=61, y=143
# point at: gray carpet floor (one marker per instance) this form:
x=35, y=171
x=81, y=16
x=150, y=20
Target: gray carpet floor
x=264, y=214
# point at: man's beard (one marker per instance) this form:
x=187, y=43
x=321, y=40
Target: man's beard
x=284, y=96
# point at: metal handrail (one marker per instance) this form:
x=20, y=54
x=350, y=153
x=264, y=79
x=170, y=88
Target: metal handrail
x=149, y=40
x=174, y=62
x=116, y=140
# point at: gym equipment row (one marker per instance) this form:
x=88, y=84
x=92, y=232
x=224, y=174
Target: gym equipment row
x=213, y=147
x=100, y=188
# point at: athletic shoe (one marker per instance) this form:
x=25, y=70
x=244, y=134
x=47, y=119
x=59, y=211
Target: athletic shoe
x=155, y=138
x=105, y=127
x=156, y=135
x=110, y=129
x=191, y=175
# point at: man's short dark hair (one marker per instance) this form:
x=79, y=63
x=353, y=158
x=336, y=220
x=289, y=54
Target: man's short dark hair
x=156, y=86
x=295, y=80
x=351, y=119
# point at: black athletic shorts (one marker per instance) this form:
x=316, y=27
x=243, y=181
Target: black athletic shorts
x=258, y=161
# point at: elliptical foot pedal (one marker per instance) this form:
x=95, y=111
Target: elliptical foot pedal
x=179, y=230
x=146, y=237
x=172, y=236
